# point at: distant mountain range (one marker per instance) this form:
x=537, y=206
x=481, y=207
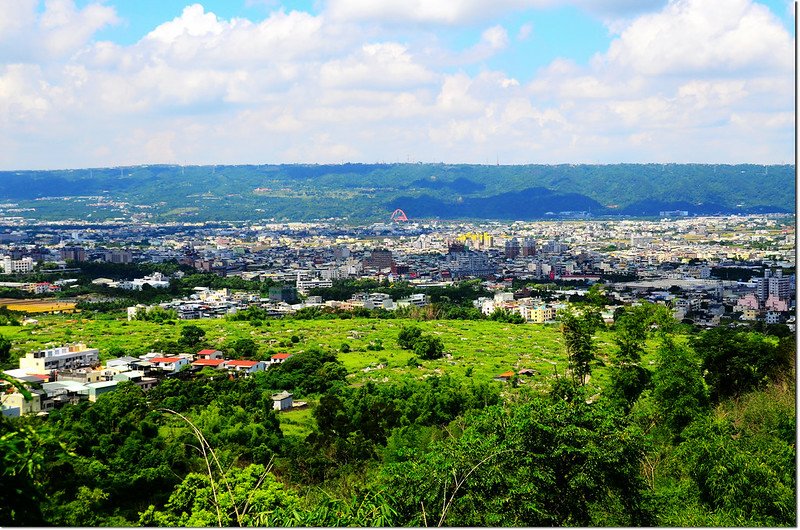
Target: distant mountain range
x=370, y=192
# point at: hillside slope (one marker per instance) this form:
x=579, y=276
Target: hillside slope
x=365, y=192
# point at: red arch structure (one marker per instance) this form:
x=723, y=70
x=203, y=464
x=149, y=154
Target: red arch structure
x=399, y=215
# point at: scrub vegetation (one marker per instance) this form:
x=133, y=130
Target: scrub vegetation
x=641, y=422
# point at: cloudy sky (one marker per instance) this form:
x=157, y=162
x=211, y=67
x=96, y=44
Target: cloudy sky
x=123, y=82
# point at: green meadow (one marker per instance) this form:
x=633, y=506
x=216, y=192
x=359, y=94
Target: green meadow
x=477, y=349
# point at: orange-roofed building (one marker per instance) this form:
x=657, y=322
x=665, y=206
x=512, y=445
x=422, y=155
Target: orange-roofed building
x=245, y=366
x=209, y=354
x=169, y=364
x=213, y=363
x=279, y=358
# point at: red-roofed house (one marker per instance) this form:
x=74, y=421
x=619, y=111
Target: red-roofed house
x=278, y=358
x=245, y=366
x=169, y=364
x=505, y=376
x=209, y=354
x=213, y=363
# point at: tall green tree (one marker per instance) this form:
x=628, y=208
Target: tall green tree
x=678, y=387
x=5, y=350
x=191, y=335
x=737, y=361
x=540, y=463
x=245, y=348
x=632, y=327
x=428, y=347
x=578, y=329
x=408, y=336
x=240, y=497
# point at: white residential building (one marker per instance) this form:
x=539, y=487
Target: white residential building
x=16, y=266
x=282, y=401
x=61, y=358
x=304, y=286
x=170, y=364
x=245, y=366
x=155, y=280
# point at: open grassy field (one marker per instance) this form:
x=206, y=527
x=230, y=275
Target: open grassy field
x=296, y=422
x=478, y=349
x=37, y=305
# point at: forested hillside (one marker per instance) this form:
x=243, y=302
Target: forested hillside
x=365, y=192
x=688, y=428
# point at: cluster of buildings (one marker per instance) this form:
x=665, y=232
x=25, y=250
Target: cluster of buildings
x=73, y=372
x=531, y=309
x=156, y=280
x=771, y=300
x=218, y=303
x=684, y=262
x=36, y=287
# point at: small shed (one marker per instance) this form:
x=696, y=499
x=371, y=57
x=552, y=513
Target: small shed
x=282, y=401
x=505, y=376
x=95, y=390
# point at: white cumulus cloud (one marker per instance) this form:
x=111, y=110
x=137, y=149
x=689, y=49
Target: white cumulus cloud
x=682, y=81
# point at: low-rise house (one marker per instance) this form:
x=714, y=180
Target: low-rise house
x=95, y=390
x=278, y=358
x=773, y=317
x=121, y=364
x=14, y=404
x=143, y=365
x=282, y=401
x=416, y=299
x=541, y=314
x=64, y=357
x=209, y=354
x=749, y=314
x=138, y=378
x=213, y=363
x=26, y=377
x=171, y=364
x=62, y=392
x=82, y=375
x=243, y=366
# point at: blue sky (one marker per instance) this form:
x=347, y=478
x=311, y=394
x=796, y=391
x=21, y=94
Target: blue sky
x=560, y=31
x=563, y=30
x=107, y=82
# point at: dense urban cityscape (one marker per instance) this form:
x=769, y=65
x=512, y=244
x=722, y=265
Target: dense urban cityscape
x=707, y=271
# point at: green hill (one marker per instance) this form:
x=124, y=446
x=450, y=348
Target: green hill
x=370, y=192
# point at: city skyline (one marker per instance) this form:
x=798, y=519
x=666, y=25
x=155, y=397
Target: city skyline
x=89, y=84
